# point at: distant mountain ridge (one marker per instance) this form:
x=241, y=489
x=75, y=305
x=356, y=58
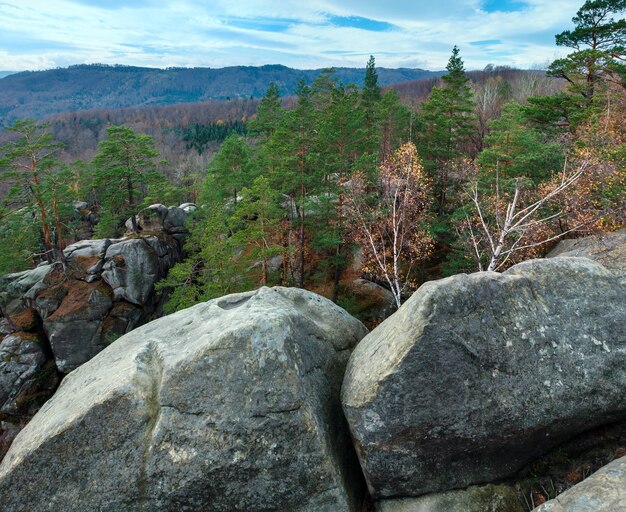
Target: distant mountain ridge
x=36, y=94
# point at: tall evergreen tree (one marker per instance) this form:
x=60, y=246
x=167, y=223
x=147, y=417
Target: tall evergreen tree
x=322, y=89
x=516, y=150
x=297, y=177
x=447, y=122
x=340, y=140
x=232, y=166
x=256, y=224
x=595, y=66
x=371, y=89
x=370, y=104
x=269, y=113
x=125, y=171
x=395, y=124
x=19, y=240
x=27, y=160
x=212, y=268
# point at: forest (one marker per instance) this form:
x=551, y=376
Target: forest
x=100, y=86
x=401, y=185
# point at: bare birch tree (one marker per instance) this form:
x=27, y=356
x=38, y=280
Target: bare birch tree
x=388, y=218
x=505, y=226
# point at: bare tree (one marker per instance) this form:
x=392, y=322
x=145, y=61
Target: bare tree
x=489, y=96
x=387, y=217
x=502, y=228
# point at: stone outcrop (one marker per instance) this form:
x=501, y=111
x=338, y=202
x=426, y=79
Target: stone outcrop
x=158, y=218
x=609, y=249
x=373, y=303
x=16, y=287
x=60, y=316
x=22, y=366
x=106, y=289
x=87, y=256
x=28, y=377
x=604, y=491
x=74, y=327
x=132, y=268
x=478, y=374
x=232, y=404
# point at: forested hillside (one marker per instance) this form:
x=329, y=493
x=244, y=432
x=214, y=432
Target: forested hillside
x=477, y=172
x=187, y=135
x=35, y=94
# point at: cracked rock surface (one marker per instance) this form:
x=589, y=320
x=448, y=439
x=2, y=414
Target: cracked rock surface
x=478, y=374
x=230, y=405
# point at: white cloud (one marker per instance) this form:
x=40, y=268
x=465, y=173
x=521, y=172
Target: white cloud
x=40, y=34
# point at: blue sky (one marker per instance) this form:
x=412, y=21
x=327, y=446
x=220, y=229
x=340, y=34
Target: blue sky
x=42, y=34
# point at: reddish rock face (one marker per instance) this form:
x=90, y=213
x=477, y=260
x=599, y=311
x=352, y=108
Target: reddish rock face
x=105, y=290
x=26, y=320
x=78, y=317
x=59, y=317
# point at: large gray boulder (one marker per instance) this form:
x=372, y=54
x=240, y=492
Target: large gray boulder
x=158, y=218
x=478, y=374
x=604, y=491
x=105, y=289
x=230, y=405
x=175, y=220
x=149, y=219
x=14, y=287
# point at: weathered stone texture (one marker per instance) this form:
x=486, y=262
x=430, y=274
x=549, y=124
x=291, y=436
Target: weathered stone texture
x=229, y=405
x=478, y=374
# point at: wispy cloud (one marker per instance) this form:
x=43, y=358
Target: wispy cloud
x=42, y=34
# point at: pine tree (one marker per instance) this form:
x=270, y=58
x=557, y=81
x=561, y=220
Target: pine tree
x=395, y=124
x=296, y=175
x=516, y=150
x=19, y=239
x=446, y=123
x=125, y=172
x=212, y=268
x=370, y=105
x=599, y=44
x=232, y=166
x=256, y=224
x=371, y=90
x=28, y=159
x=269, y=113
x=340, y=140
